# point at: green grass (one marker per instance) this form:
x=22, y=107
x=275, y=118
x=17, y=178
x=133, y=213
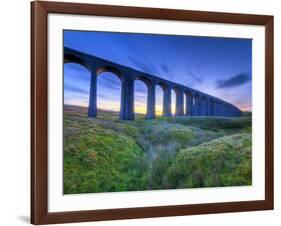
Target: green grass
x=225, y=161
x=98, y=159
x=107, y=155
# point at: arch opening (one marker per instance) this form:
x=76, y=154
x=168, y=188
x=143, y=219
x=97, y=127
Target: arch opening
x=72, y=58
x=166, y=99
x=189, y=103
x=173, y=101
x=109, y=69
x=76, y=86
x=159, y=95
x=108, y=94
x=140, y=98
x=184, y=104
x=163, y=86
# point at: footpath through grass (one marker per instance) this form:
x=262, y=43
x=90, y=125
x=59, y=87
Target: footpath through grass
x=107, y=155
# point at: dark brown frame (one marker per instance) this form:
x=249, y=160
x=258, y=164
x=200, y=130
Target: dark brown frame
x=39, y=107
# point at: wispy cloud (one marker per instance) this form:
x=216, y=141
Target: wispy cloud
x=196, y=78
x=165, y=68
x=143, y=64
x=76, y=89
x=111, y=82
x=236, y=80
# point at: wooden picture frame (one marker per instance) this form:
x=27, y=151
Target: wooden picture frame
x=39, y=109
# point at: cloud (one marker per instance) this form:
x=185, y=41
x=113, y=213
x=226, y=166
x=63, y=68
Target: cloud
x=77, y=71
x=145, y=66
x=236, y=80
x=108, y=83
x=75, y=89
x=165, y=68
x=77, y=68
x=196, y=78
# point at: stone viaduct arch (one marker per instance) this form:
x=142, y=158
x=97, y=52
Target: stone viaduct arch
x=188, y=103
x=197, y=103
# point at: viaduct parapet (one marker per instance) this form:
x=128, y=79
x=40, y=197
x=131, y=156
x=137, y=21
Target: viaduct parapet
x=197, y=102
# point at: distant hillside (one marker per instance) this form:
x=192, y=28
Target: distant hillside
x=246, y=113
x=79, y=110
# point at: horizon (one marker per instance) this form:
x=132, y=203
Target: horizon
x=113, y=111
x=221, y=67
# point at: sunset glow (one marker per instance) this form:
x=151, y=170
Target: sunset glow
x=218, y=66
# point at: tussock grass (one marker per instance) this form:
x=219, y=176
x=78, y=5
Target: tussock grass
x=225, y=161
x=107, y=155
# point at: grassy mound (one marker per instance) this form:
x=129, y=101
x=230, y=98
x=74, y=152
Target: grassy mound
x=99, y=160
x=215, y=123
x=225, y=161
x=105, y=154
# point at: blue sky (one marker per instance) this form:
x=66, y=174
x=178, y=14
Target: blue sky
x=218, y=66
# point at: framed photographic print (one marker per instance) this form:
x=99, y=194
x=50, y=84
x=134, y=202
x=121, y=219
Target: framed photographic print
x=147, y=112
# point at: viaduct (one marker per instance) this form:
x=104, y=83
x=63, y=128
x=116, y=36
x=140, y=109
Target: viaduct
x=197, y=103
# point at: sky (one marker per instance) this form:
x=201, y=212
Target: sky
x=221, y=67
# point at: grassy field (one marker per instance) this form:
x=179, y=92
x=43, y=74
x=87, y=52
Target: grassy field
x=107, y=155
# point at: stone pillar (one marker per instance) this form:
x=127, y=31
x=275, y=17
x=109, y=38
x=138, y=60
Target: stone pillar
x=216, y=108
x=167, y=102
x=197, y=106
x=237, y=113
x=92, y=108
x=150, y=102
x=213, y=108
x=127, y=99
x=204, y=107
x=179, y=103
x=208, y=107
x=188, y=105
